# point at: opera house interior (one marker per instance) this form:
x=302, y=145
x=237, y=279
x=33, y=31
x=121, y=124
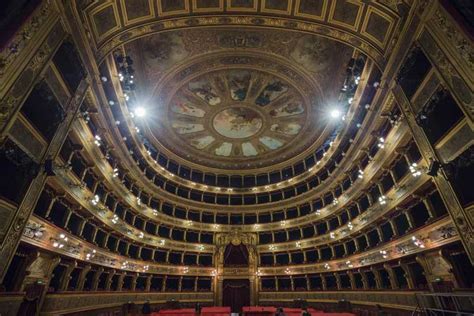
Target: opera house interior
x=260, y=157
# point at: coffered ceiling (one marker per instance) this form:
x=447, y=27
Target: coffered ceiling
x=368, y=26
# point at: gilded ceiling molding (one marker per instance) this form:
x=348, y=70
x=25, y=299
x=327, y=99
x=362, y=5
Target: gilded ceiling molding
x=24, y=44
x=446, y=70
x=18, y=91
x=155, y=27
x=336, y=19
x=457, y=44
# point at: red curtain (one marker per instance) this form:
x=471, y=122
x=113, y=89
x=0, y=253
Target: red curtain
x=236, y=294
x=236, y=256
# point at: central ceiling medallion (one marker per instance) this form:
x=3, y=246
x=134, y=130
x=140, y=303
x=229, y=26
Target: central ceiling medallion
x=238, y=122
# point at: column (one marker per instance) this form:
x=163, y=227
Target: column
x=67, y=276
x=81, y=227
x=96, y=278
x=430, y=208
x=134, y=281
x=365, y=283
x=139, y=254
x=367, y=240
x=108, y=281
x=356, y=245
x=323, y=282
x=94, y=235
x=120, y=281
x=66, y=219
x=345, y=249
x=410, y=220
x=40, y=270
x=148, y=282
x=127, y=248
x=394, y=178
x=48, y=211
x=379, y=233
x=352, y=279
x=393, y=278
x=369, y=197
x=82, y=277
x=338, y=280
x=394, y=228
x=408, y=275
x=378, y=281
x=163, y=286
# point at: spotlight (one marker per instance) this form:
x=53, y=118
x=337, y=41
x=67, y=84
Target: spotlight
x=103, y=78
x=335, y=113
x=140, y=111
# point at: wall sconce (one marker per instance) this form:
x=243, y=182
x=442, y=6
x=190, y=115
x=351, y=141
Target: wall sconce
x=90, y=255
x=115, y=219
x=95, y=200
x=417, y=242
x=415, y=171
x=97, y=140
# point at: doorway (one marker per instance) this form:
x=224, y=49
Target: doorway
x=236, y=294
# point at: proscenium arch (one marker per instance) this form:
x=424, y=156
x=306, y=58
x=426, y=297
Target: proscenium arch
x=128, y=35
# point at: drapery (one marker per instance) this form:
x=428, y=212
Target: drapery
x=236, y=294
x=235, y=256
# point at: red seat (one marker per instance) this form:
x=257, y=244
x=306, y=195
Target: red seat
x=215, y=311
x=258, y=310
x=177, y=312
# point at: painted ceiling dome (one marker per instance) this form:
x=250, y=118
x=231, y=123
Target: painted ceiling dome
x=230, y=101
x=237, y=113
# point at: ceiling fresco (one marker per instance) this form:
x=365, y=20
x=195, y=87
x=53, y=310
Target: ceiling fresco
x=237, y=113
x=231, y=99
